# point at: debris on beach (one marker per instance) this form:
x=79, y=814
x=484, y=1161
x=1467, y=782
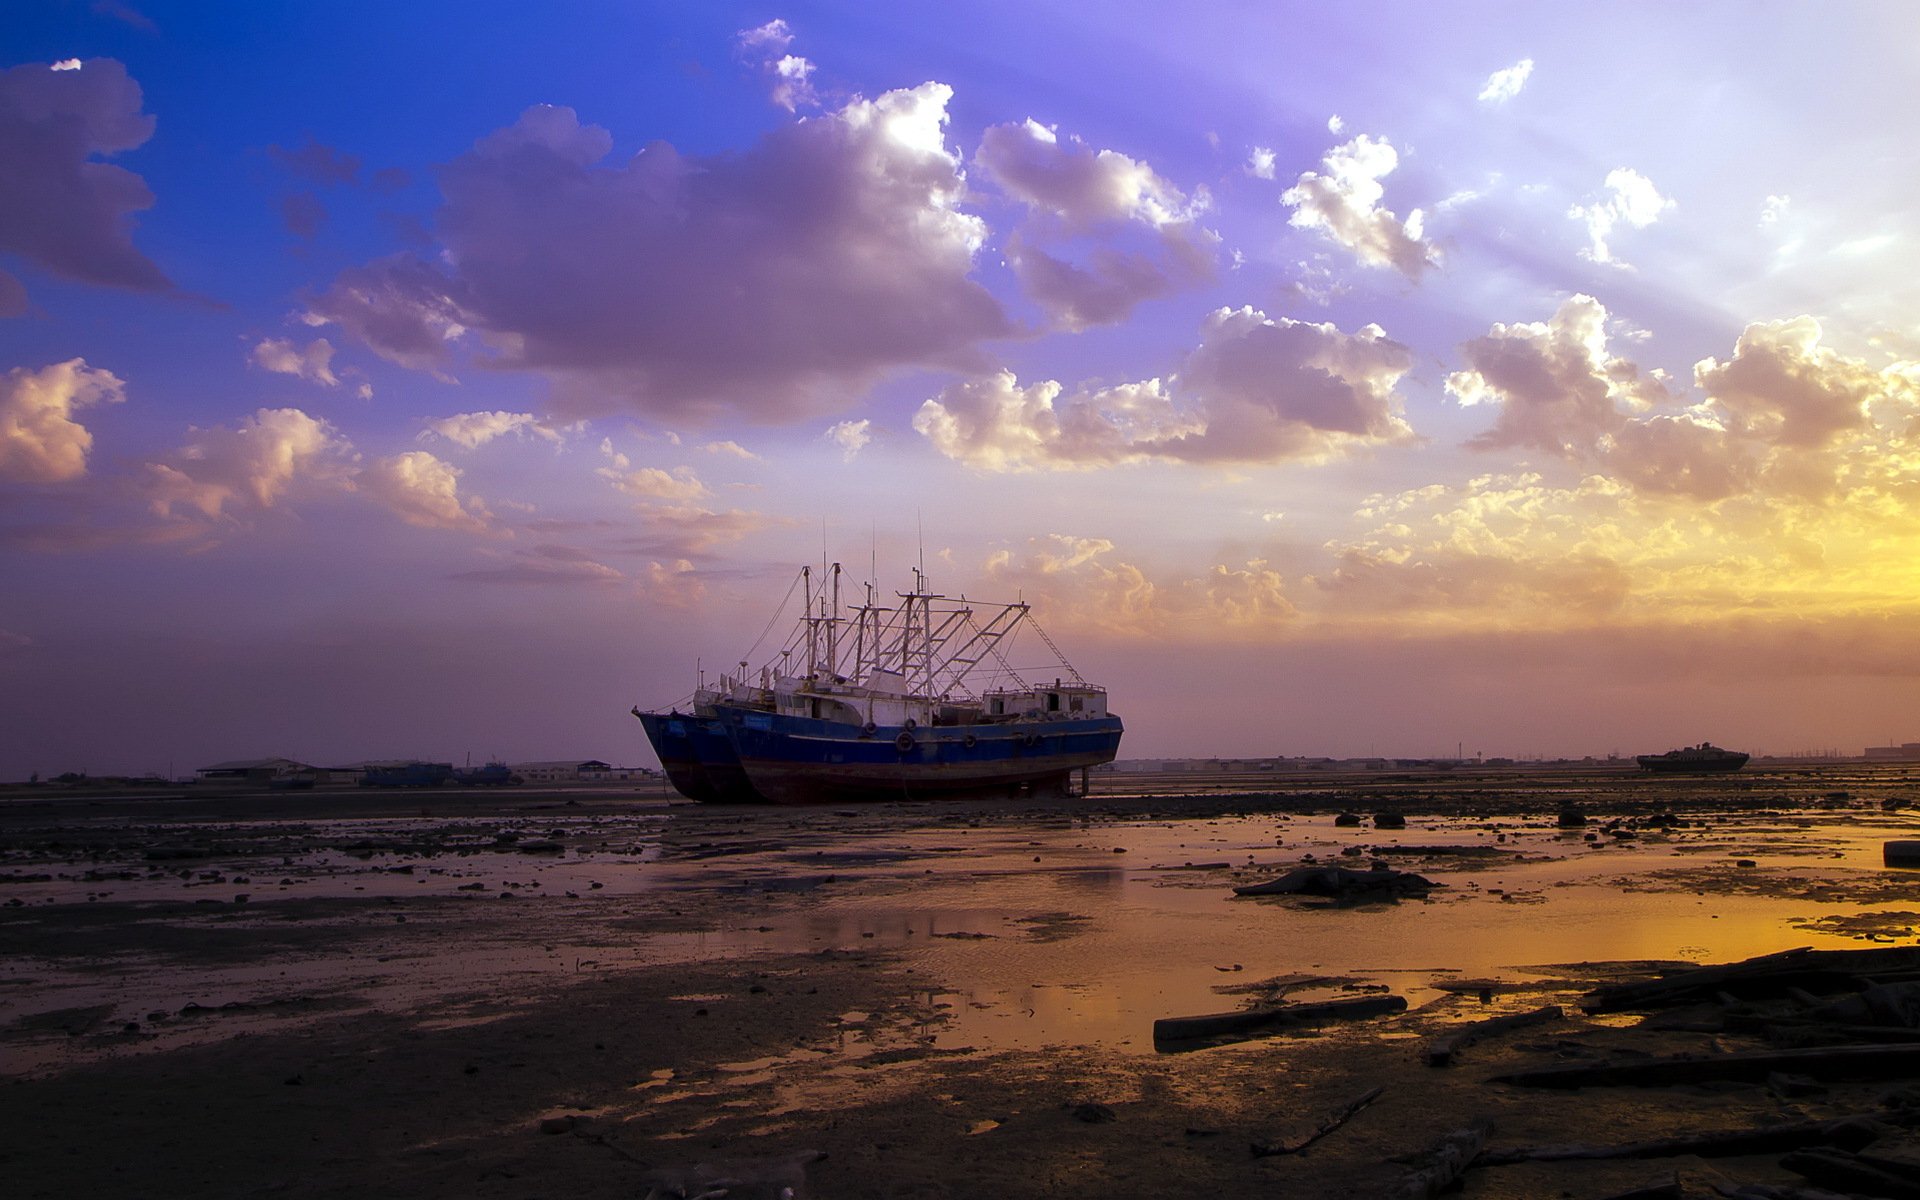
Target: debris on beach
x=1254, y=1022
x=1340, y=882
x=1442, y=1050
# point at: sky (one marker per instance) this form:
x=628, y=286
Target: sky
x=431, y=380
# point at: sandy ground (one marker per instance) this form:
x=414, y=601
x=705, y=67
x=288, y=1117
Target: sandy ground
x=560, y=994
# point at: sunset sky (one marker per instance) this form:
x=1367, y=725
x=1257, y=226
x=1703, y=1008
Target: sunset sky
x=391, y=380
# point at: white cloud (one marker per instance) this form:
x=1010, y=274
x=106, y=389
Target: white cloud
x=40, y=442
x=475, y=429
x=731, y=449
x=787, y=74
x=772, y=282
x=315, y=363
x=1343, y=200
x=1256, y=389
x=792, y=88
x=221, y=472
x=675, y=584
x=67, y=64
x=423, y=491
x=1634, y=202
x=1102, y=197
x=1261, y=162
x=851, y=436
x=1557, y=385
x=65, y=209
x=1782, y=385
x=1504, y=85
x=652, y=483
x=1775, y=210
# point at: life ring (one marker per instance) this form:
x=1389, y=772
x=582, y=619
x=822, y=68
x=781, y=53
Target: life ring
x=969, y=741
x=903, y=743
x=867, y=729
x=912, y=724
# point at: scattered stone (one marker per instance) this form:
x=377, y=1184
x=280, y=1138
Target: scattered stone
x=1092, y=1113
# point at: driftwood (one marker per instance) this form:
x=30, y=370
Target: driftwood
x=1878, y=1061
x=1446, y=1163
x=1339, y=882
x=1252, y=1021
x=1851, y=1133
x=1441, y=1050
x=1822, y=971
x=1295, y=1145
x=1847, y=1172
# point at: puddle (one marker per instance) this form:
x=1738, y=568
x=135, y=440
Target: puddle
x=1035, y=933
x=1074, y=950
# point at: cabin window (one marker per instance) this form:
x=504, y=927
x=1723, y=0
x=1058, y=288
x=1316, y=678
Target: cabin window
x=1053, y=701
x=1073, y=702
x=999, y=708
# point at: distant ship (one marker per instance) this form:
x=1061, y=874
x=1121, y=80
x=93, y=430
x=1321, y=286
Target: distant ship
x=1701, y=759
x=876, y=702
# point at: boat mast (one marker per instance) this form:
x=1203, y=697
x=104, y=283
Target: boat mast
x=833, y=626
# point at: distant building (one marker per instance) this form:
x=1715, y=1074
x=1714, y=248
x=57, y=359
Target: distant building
x=253, y=771
x=605, y=774
x=569, y=771
x=1904, y=751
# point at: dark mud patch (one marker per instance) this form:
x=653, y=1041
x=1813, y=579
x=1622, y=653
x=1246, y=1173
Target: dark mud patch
x=1887, y=926
x=1864, y=887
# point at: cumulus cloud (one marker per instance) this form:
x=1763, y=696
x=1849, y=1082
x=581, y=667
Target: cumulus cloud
x=61, y=208
x=1557, y=386
x=770, y=283
x=1783, y=416
x=1074, y=192
x=423, y=491
x=1783, y=386
x=282, y=357
x=225, y=472
x=1084, y=582
x=676, y=584
x=787, y=74
x=851, y=436
x=653, y=483
x=475, y=429
x=731, y=449
x=402, y=308
x=1261, y=163
x=1342, y=200
x=1505, y=84
x=1632, y=201
x=1256, y=389
x=40, y=442
x=675, y=531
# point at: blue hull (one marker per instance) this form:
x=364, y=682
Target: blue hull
x=797, y=760
x=699, y=758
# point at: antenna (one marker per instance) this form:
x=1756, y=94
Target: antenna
x=920, y=532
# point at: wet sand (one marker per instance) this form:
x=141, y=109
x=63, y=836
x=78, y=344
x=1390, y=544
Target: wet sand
x=592, y=993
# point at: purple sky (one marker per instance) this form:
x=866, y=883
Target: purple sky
x=377, y=381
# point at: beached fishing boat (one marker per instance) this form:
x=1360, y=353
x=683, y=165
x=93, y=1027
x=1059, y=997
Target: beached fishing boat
x=879, y=702
x=1706, y=758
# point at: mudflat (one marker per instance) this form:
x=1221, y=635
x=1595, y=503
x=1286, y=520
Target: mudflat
x=607, y=993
